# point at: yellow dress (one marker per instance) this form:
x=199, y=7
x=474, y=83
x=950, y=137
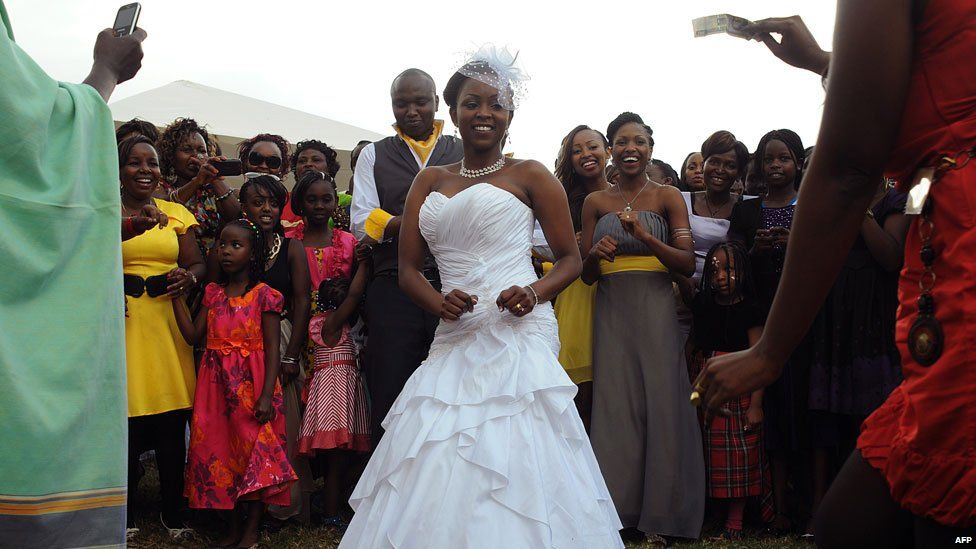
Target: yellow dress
x=574, y=313
x=159, y=363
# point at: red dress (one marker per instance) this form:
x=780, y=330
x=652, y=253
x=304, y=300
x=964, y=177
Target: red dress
x=233, y=457
x=923, y=438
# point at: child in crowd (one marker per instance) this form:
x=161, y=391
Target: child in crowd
x=237, y=457
x=336, y=413
x=728, y=318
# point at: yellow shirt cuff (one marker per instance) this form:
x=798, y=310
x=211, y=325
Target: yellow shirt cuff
x=376, y=224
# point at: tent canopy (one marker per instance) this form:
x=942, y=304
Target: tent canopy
x=232, y=117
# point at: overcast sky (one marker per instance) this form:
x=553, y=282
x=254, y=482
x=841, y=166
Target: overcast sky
x=588, y=60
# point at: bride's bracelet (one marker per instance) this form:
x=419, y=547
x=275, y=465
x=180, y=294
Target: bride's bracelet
x=534, y=294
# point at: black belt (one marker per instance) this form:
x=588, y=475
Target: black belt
x=154, y=286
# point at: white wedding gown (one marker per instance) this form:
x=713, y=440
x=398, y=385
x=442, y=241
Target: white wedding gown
x=484, y=447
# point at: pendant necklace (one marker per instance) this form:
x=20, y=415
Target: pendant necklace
x=628, y=208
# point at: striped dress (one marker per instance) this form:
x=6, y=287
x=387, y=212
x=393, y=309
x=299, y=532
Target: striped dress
x=336, y=413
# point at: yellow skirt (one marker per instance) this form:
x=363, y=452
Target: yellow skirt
x=159, y=363
x=574, y=313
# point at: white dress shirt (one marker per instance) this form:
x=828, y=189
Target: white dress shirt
x=365, y=198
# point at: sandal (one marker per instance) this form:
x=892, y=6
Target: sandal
x=656, y=540
x=335, y=522
x=177, y=533
x=727, y=535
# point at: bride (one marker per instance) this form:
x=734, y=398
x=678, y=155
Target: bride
x=484, y=447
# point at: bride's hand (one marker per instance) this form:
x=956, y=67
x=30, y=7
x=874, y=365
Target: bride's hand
x=456, y=303
x=517, y=300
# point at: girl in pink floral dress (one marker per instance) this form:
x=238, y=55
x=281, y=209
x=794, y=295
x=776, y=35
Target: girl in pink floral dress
x=336, y=413
x=237, y=458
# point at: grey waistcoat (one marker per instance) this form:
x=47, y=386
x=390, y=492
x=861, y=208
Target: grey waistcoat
x=394, y=170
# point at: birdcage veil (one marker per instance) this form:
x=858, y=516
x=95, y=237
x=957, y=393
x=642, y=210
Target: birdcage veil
x=498, y=68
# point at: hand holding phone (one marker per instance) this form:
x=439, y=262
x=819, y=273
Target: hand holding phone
x=229, y=167
x=126, y=19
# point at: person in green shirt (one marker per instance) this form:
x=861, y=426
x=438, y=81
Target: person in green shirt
x=62, y=346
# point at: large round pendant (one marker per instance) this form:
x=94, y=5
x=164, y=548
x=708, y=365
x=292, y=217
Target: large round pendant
x=925, y=340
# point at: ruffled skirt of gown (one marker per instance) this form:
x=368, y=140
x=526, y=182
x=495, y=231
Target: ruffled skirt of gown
x=484, y=448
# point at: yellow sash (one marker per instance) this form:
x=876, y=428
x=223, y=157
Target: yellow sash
x=624, y=263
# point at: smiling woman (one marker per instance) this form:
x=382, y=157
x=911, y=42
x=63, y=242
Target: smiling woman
x=581, y=168
x=487, y=422
x=159, y=265
x=644, y=434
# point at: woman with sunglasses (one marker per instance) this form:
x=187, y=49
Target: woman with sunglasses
x=185, y=151
x=268, y=153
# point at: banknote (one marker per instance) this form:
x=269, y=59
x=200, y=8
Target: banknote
x=719, y=23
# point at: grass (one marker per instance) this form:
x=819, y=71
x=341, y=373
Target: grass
x=152, y=535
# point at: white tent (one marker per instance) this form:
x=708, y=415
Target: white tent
x=232, y=117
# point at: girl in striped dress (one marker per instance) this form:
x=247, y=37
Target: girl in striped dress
x=336, y=413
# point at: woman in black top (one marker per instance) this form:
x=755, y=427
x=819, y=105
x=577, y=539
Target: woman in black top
x=263, y=197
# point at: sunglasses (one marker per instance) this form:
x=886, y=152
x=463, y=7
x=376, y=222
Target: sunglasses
x=252, y=175
x=256, y=159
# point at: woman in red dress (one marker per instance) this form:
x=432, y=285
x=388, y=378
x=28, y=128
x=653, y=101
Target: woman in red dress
x=901, y=98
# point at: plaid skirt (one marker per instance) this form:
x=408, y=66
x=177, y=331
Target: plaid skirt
x=735, y=458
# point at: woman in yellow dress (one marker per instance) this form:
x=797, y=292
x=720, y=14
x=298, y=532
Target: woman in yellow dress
x=160, y=262
x=581, y=168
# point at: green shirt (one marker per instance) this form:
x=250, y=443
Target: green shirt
x=62, y=345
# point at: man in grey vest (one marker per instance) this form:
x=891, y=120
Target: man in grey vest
x=400, y=332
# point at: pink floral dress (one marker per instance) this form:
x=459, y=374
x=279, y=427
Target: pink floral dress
x=233, y=457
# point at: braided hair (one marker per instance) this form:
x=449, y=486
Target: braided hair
x=305, y=182
x=328, y=152
x=741, y=273
x=566, y=173
x=792, y=142
x=331, y=293
x=169, y=142
x=259, y=253
x=244, y=149
x=273, y=186
x=625, y=118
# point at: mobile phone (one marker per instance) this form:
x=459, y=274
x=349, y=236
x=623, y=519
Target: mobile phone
x=228, y=167
x=126, y=19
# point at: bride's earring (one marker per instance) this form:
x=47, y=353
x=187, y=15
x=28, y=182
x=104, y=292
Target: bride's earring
x=455, y=131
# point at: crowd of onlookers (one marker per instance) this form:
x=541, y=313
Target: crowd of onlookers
x=635, y=329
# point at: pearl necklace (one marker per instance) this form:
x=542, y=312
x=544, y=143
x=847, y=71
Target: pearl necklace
x=481, y=172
